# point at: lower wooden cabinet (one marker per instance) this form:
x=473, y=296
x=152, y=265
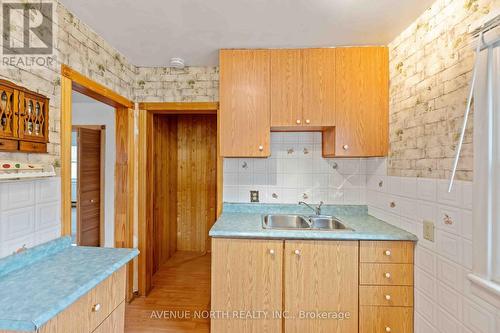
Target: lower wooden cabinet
x=319, y=292
x=378, y=319
x=321, y=286
x=386, y=287
x=246, y=278
x=297, y=286
x=100, y=310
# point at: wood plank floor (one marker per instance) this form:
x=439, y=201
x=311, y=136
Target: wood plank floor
x=181, y=284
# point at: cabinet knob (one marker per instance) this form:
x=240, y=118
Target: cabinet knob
x=91, y=200
x=388, y=275
x=298, y=121
x=308, y=121
x=261, y=148
x=387, y=329
x=271, y=252
x=388, y=297
x=345, y=147
x=297, y=252
x=387, y=253
x=96, y=307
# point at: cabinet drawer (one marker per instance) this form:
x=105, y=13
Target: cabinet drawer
x=386, y=274
x=106, y=297
x=32, y=147
x=69, y=320
x=386, y=252
x=386, y=295
x=8, y=145
x=374, y=319
x=115, y=323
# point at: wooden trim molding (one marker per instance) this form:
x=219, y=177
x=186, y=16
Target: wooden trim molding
x=88, y=87
x=66, y=89
x=172, y=107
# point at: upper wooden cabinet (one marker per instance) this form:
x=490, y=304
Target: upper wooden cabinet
x=302, y=88
x=24, y=119
x=286, y=88
x=362, y=101
x=342, y=92
x=319, y=86
x=244, y=118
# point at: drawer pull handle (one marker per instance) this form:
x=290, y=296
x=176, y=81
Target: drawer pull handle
x=388, y=297
x=387, y=329
x=96, y=307
x=388, y=275
x=271, y=252
x=345, y=147
x=298, y=121
x=297, y=252
x=308, y=121
x=387, y=253
x=261, y=148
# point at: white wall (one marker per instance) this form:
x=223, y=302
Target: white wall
x=443, y=300
x=295, y=168
x=29, y=213
x=89, y=112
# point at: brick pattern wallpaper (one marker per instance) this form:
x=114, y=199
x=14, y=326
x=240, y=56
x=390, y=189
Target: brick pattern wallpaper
x=190, y=84
x=430, y=70
x=81, y=48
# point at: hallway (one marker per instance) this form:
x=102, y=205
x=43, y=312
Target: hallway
x=181, y=286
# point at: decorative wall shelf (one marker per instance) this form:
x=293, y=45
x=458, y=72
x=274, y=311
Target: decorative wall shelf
x=12, y=170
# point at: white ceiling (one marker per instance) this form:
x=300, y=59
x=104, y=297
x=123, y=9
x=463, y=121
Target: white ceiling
x=150, y=32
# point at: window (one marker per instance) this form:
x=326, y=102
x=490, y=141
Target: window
x=485, y=277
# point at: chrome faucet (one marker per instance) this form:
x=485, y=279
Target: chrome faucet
x=316, y=210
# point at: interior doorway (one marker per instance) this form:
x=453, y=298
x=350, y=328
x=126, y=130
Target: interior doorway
x=185, y=189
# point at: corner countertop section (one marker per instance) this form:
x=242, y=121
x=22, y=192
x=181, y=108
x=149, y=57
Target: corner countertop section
x=41, y=282
x=245, y=221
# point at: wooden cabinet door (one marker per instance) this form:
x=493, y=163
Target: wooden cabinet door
x=244, y=103
x=319, y=86
x=286, y=88
x=9, y=111
x=321, y=279
x=247, y=276
x=362, y=101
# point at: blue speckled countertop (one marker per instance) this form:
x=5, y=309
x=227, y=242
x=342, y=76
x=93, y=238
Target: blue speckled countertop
x=41, y=282
x=245, y=221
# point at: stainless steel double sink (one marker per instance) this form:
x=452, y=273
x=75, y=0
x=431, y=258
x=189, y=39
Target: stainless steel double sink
x=301, y=222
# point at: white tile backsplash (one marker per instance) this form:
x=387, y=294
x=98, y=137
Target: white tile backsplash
x=296, y=171
x=30, y=213
x=443, y=300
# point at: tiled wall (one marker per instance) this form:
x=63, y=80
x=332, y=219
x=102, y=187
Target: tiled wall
x=29, y=213
x=443, y=301
x=295, y=171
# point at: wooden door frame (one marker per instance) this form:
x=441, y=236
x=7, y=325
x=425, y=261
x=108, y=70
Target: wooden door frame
x=71, y=81
x=102, y=188
x=145, y=193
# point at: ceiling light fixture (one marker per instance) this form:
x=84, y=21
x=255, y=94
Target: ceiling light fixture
x=177, y=62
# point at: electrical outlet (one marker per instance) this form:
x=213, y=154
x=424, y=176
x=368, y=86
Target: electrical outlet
x=254, y=196
x=429, y=230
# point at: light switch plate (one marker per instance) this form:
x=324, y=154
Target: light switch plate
x=429, y=230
